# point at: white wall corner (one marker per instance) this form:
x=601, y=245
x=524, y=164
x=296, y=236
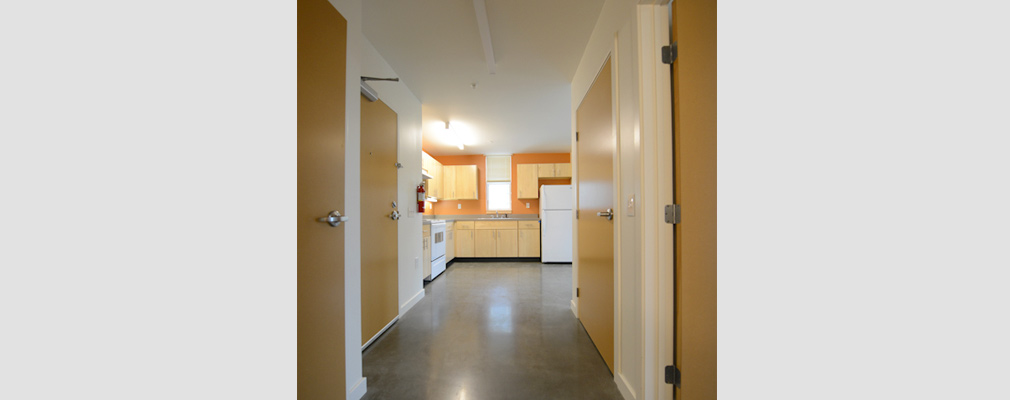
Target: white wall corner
x=358, y=390
x=624, y=387
x=412, y=302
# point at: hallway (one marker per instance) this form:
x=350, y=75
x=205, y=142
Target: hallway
x=490, y=331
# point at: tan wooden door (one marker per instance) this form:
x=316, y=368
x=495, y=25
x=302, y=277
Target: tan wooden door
x=379, y=281
x=464, y=243
x=596, y=234
x=322, y=60
x=508, y=242
x=694, y=174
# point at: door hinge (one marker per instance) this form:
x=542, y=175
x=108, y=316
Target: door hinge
x=576, y=214
x=576, y=136
x=576, y=292
x=672, y=214
x=673, y=375
x=669, y=53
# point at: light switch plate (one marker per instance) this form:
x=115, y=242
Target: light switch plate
x=631, y=205
x=459, y=206
x=527, y=205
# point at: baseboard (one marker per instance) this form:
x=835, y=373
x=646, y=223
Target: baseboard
x=497, y=259
x=412, y=302
x=381, y=331
x=575, y=308
x=624, y=387
x=358, y=390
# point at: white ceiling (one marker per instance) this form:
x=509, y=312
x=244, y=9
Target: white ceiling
x=525, y=107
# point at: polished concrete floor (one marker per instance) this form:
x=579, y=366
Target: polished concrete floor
x=490, y=331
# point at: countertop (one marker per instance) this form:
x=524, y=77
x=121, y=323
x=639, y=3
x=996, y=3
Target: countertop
x=481, y=217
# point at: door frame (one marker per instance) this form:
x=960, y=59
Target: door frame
x=656, y=111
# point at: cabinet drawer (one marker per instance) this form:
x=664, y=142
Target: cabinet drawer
x=464, y=224
x=529, y=224
x=496, y=225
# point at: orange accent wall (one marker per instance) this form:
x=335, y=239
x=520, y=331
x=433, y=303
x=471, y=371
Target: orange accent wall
x=448, y=207
x=519, y=206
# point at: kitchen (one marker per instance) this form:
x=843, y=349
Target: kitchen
x=493, y=208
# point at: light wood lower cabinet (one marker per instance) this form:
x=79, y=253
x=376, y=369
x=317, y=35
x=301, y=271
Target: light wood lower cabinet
x=450, y=243
x=464, y=239
x=489, y=239
x=484, y=243
x=529, y=243
x=426, y=246
x=508, y=242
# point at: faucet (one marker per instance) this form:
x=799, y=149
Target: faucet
x=496, y=214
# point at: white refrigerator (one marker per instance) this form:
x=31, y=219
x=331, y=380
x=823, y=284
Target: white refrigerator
x=556, y=223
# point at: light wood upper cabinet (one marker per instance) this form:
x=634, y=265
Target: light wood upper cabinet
x=545, y=170
x=434, y=168
x=563, y=170
x=529, y=243
x=528, y=176
x=466, y=182
x=459, y=182
x=526, y=181
x=435, y=184
x=448, y=182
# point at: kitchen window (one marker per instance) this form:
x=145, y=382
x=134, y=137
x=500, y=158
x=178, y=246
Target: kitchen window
x=499, y=183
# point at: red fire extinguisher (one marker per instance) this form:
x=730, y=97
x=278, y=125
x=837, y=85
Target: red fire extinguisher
x=420, y=198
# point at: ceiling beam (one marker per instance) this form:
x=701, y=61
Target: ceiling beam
x=485, y=33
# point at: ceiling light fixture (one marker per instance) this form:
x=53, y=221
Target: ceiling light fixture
x=455, y=135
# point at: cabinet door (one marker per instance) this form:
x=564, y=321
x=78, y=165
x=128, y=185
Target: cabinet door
x=450, y=245
x=529, y=243
x=466, y=182
x=545, y=170
x=464, y=243
x=449, y=182
x=484, y=244
x=426, y=243
x=508, y=243
x=563, y=170
x=526, y=181
x=436, y=183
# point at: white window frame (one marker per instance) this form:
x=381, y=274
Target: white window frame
x=506, y=183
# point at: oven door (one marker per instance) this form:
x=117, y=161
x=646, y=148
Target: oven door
x=437, y=243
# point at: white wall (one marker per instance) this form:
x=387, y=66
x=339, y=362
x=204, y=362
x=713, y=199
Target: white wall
x=398, y=97
x=616, y=36
x=362, y=58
